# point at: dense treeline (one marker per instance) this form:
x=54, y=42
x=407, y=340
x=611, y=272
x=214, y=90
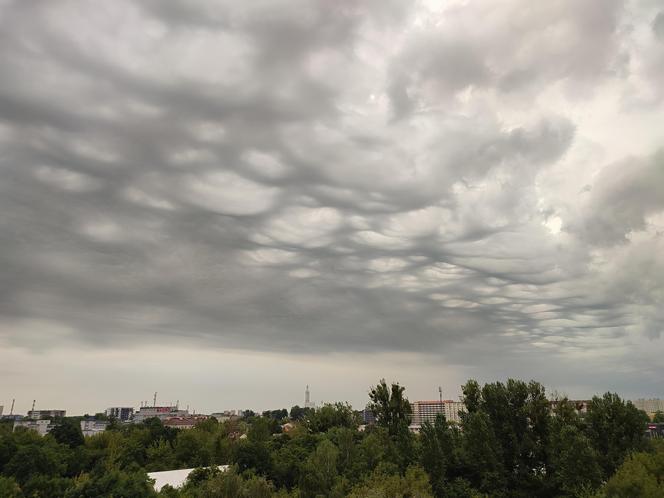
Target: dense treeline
x=508, y=444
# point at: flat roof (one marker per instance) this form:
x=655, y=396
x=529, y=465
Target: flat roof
x=174, y=478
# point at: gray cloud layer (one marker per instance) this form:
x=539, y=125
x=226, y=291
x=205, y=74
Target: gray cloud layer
x=332, y=176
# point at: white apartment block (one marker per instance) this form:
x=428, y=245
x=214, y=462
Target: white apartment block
x=426, y=411
x=649, y=405
x=43, y=427
x=92, y=427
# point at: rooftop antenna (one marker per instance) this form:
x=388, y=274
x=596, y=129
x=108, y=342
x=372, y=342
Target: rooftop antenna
x=440, y=394
x=154, y=399
x=11, y=412
x=33, y=404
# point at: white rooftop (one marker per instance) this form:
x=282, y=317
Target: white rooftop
x=174, y=478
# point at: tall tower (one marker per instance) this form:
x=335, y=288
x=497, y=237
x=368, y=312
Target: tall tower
x=307, y=400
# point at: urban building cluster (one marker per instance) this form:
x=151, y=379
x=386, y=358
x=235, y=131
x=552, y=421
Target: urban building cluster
x=423, y=411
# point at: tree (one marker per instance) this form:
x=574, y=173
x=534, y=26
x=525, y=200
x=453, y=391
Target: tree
x=658, y=418
x=615, y=428
x=160, y=456
x=329, y=416
x=41, y=486
x=286, y=463
x=9, y=488
x=440, y=456
x=112, y=482
x=190, y=449
x=482, y=453
x=260, y=429
x=642, y=475
x=390, y=407
x=574, y=464
x=298, y=413
x=276, y=414
x=414, y=484
x=68, y=431
x=320, y=471
x=34, y=459
x=251, y=455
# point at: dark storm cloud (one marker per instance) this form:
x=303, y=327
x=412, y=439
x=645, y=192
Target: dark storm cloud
x=658, y=26
x=624, y=195
x=316, y=177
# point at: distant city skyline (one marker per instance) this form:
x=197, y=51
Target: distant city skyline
x=223, y=201
x=649, y=405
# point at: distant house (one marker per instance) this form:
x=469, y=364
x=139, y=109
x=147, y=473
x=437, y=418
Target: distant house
x=288, y=426
x=174, y=478
x=579, y=405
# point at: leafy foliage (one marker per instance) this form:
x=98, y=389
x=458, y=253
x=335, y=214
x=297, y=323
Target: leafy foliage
x=510, y=443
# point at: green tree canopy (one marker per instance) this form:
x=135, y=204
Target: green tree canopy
x=615, y=428
x=390, y=407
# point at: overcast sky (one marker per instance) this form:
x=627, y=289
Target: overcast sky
x=225, y=201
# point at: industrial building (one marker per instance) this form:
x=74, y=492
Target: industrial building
x=163, y=413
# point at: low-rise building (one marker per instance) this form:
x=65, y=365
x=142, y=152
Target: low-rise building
x=226, y=415
x=42, y=426
x=188, y=422
x=40, y=414
x=90, y=427
x=122, y=413
x=12, y=416
x=579, y=405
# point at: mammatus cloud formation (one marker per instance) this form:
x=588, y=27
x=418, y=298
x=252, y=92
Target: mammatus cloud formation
x=477, y=184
